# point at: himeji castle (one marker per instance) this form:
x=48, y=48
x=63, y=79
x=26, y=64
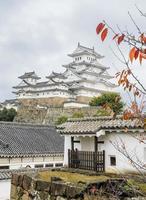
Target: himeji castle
x=82, y=79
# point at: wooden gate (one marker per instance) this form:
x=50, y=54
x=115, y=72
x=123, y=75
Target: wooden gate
x=87, y=160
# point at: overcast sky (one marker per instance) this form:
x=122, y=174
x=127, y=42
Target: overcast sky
x=38, y=34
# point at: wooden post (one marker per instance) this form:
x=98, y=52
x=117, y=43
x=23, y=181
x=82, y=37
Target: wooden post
x=72, y=143
x=104, y=160
x=95, y=152
x=69, y=158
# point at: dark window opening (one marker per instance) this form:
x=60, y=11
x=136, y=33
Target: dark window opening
x=38, y=166
x=49, y=165
x=112, y=160
x=4, y=167
x=58, y=164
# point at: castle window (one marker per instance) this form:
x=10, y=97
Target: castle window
x=58, y=164
x=112, y=160
x=49, y=165
x=4, y=167
x=39, y=166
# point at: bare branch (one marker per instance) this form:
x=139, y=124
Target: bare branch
x=134, y=23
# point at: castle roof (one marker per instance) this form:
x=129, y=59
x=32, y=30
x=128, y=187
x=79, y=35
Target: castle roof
x=84, y=50
x=55, y=74
x=93, y=64
x=29, y=75
x=24, y=140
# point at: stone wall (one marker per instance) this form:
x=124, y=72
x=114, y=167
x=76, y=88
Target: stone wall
x=46, y=115
x=51, y=101
x=28, y=187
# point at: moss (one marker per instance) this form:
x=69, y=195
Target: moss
x=77, y=115
x=70, y=177
x=138, y=185
x=61, y=120
x=102, y=112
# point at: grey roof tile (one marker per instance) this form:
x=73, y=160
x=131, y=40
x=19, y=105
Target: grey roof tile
x=18, y=139
x=94, y=124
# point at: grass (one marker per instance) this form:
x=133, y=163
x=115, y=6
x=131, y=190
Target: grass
x=81, y=179
x=70, y=177
x=138, y=184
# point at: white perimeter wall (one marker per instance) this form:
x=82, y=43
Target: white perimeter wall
x=133, y=147
x=16, y=163
x=5, y=187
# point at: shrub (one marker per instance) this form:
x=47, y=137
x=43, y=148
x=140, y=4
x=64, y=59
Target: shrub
x=61, y=120
x=102, y=112
x=7, y=114
x=77, y=115
x=110, y=100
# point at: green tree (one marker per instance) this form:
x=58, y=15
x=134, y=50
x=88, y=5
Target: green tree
x=7, y=114
x=110, y=100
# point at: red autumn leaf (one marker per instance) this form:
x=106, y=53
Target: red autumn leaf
x=116, y=35
x=136, y=54
x=99, y=28
x=104, y=34
x=121, y=38
x=132, y=54
x=140, y=58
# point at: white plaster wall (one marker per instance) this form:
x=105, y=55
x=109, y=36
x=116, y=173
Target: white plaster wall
x=133, y=147
x=16, y=163
x=72, y=105
x=87, y=143
x=5, y=187
x=67, y=145
x=87, y=93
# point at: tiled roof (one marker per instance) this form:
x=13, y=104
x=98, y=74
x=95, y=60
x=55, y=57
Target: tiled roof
x=81, y=48
x=29, y=75
x=7, y=173
x=94, y=124
x=18, y=140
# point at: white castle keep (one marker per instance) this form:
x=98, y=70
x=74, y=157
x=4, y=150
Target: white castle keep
x=82, y=79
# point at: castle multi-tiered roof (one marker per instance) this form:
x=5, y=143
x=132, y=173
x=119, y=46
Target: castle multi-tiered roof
x=82, y=79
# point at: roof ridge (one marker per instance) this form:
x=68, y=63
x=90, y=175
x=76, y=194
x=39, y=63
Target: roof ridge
x=25, y=124
x=95, y=118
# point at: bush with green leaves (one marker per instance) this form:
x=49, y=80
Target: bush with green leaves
x=102, y=112
x=77, y=115
x=7, y=114
x=111, y=100
x=61, y=120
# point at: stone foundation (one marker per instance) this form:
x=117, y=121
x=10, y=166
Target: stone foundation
x=50, y=101
x=28, y=187
x=33, y=114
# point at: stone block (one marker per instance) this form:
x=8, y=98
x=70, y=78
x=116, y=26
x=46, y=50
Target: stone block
x=15, y=179
x=58, y=189
x=26, y=182
x=42, y=186
x=43, y=195
x=13, y=194
x=20, y=180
